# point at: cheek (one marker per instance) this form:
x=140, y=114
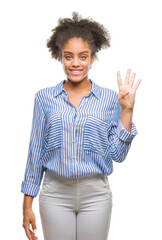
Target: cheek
x=86, y=65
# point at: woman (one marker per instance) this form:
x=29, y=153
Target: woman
x=78, y=129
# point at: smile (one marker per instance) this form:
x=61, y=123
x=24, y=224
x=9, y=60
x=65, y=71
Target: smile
x=75, y=72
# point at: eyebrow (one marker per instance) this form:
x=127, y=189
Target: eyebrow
x=80, y=52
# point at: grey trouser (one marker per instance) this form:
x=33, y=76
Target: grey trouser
x=75, y=209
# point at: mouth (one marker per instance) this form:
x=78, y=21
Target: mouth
x=75, y=72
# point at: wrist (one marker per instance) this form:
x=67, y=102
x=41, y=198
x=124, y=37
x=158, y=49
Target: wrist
x=126, y=115
x=126, y=118
x=28, y=200
x=27, y=211
x=127, y=110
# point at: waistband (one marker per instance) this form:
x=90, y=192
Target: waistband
x=74, y=179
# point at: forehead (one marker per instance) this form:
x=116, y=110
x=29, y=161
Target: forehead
x=76, y=45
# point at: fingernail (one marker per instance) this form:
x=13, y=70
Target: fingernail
x=126, y=92
x=35, y=230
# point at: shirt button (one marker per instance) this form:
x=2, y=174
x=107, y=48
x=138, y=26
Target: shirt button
x=73, y=157
x=74, y=174
x=73, y=141
x=73, y=125
x=74, y=109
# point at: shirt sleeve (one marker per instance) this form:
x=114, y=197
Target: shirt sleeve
x=119, y=138
x=34, y=169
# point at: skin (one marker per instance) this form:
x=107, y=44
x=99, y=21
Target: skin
x=76, y=55
x=126, y=98
x=29, y=217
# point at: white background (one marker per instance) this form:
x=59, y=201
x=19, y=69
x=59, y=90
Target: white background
x=27, y=66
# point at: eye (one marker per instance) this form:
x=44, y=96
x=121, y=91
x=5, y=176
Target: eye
x=68, y=57
x=83, y=57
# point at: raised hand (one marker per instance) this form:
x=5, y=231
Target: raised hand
x=127, y=92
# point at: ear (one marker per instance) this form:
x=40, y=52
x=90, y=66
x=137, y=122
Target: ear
x=60, y=58
x=92, y=59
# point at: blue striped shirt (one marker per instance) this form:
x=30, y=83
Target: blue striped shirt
x=75, y=142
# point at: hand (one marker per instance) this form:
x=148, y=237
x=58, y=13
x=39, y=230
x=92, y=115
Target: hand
x=127, y=92
x=29, y=218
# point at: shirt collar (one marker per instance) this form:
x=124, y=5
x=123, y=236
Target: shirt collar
x=96, y=89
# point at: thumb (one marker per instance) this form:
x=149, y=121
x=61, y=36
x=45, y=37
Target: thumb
x=122, y=94
x=34, y=227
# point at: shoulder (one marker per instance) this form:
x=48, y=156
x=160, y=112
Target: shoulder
x=106, y=91
x=41, y=93
x=109, y=96
x=50, y=92
x=44, y=96
x=109, y=92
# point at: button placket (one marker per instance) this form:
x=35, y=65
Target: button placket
x=73, y=145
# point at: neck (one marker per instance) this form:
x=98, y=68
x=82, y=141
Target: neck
x=77, y=87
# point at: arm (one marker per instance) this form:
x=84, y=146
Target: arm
x=123, y=129
x=34, y=169
x=126, y=119
x=119, y=138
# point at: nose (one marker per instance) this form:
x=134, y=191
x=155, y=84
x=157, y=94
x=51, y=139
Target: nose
x=75, y=62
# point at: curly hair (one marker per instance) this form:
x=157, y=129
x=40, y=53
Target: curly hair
x=94, y=33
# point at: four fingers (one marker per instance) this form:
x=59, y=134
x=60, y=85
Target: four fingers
x=132, y=79
x=127, y=82
x=119, y=79
x=127, y=76
x=137, y=84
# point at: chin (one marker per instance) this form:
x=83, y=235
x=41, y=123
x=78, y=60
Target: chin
x=76, y=79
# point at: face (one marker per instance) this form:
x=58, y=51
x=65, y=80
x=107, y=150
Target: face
x=76, y=59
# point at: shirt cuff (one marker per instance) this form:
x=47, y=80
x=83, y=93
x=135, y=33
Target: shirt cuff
x=123, y=134
x=29, y=189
